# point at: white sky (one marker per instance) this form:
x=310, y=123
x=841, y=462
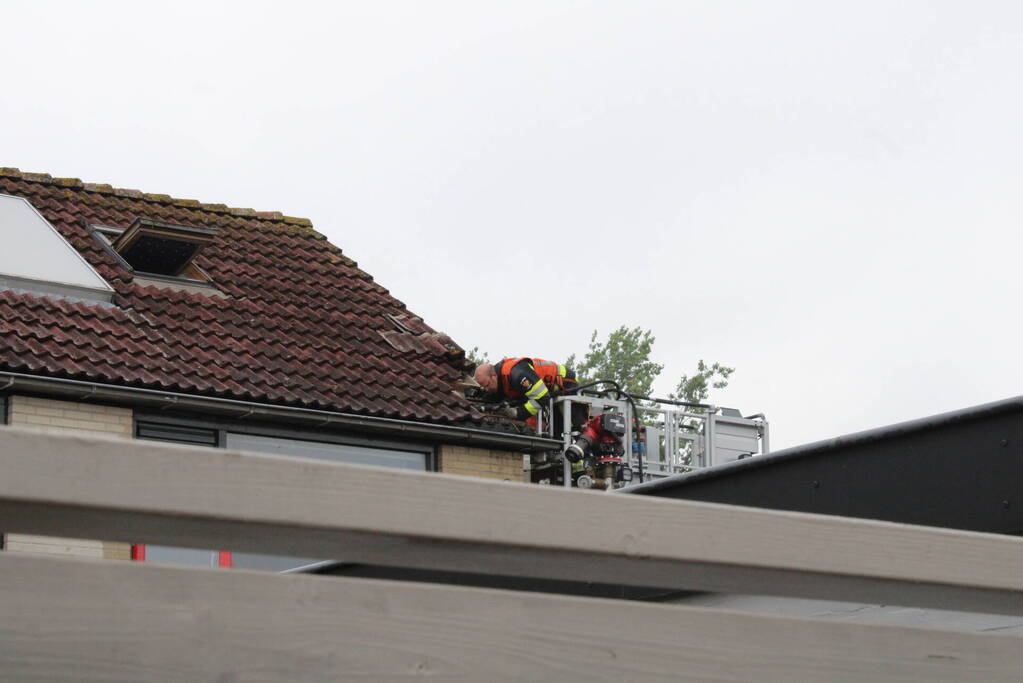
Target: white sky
x=825, y=195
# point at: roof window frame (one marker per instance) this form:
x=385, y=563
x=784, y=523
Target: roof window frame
x=144, y=230
x=79, y=280
x=107, y=236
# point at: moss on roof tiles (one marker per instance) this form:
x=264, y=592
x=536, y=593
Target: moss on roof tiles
x=300, y=317
x=104, y=188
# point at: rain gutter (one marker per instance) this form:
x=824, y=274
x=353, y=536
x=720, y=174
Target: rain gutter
x=165, y=400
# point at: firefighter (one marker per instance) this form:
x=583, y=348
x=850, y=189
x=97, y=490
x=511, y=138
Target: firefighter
x=529, y=380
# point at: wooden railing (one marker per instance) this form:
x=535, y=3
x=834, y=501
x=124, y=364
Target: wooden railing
x=76, y=619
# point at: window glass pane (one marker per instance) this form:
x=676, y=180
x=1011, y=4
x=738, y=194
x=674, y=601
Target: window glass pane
x=167, y=555
x=268, y=563
x=35, y=251
x=360, y=455
x=163, y=432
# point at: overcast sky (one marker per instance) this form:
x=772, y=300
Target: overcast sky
x=824, y=195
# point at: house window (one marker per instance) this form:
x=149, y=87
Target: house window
x=197, y=436
x=158, y=253
x=36, y=257
x=272, y=441
x=190, y=556
x=334, y=452
x=163, y=248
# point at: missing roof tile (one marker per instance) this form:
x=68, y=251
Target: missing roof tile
x=399, y=341
x=398, y=322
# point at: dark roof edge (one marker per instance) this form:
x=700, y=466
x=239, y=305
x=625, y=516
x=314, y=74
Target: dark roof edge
x=164, y=400
x=77, y=184
x=865, y=437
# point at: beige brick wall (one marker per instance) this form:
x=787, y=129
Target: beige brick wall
x=69, y=417
x=480, y=462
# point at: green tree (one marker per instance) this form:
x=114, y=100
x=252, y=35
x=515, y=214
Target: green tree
x=696, y=388
x=477, y=357
x=624, y=357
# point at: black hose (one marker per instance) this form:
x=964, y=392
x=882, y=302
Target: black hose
x=595, y=383
x=673, y=403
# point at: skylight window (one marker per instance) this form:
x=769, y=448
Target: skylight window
x=160, y=254
x=163, y=248
x=37, y=258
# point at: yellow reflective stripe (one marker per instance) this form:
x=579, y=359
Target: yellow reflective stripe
x=562, y=370
x=532, y=407
x=537, y=391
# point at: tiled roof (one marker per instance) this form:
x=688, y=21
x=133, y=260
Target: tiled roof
x=300, y=324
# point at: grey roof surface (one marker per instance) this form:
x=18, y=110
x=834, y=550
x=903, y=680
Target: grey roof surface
x=957, y=470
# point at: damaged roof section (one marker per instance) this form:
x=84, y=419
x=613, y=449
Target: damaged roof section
x=298, y=324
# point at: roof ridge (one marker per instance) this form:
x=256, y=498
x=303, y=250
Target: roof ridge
x=102, y=188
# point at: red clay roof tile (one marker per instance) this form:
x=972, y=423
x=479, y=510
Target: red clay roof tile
x=301, y=324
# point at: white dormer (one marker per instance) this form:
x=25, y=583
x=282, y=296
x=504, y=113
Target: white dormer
x=37, y=258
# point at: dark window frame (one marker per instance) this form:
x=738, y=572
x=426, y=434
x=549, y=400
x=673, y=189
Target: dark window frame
x=143, y=421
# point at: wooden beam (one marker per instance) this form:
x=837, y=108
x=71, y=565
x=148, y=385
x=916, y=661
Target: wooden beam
x=175, y=495
x=71, y=620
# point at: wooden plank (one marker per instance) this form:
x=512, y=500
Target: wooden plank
x=72, y=620
x=175, y=495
